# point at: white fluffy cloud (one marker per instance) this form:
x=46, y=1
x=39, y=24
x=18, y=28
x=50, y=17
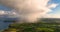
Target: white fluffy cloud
x=9, y=14
x=29, y=6
x=2, y=12
x=52, y=5
x=52, y=16
x=29, y=10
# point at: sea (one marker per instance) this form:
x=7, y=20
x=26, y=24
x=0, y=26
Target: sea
x=3, y=24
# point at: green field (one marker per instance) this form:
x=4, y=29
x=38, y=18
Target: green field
x=34, y=27
x=41, y=26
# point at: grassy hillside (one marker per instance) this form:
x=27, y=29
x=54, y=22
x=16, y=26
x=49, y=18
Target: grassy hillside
x=35, y=27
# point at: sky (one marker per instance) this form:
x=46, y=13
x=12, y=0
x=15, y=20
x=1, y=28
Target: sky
x=54, y=13
x=57, y=9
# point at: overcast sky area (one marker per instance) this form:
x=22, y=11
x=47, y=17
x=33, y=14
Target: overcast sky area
x=55, y=13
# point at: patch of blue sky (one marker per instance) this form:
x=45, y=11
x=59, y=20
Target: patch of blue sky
x=4, y=8
x=57, y=9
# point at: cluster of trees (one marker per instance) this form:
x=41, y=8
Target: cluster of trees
x=34, y=27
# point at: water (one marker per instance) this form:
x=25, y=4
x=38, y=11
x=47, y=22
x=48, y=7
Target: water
x=4, y=25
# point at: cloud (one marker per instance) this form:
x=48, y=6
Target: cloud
x=8, y=13
x=52, y=6
x=2, y=12
x=52, y=16
x=29, y=10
